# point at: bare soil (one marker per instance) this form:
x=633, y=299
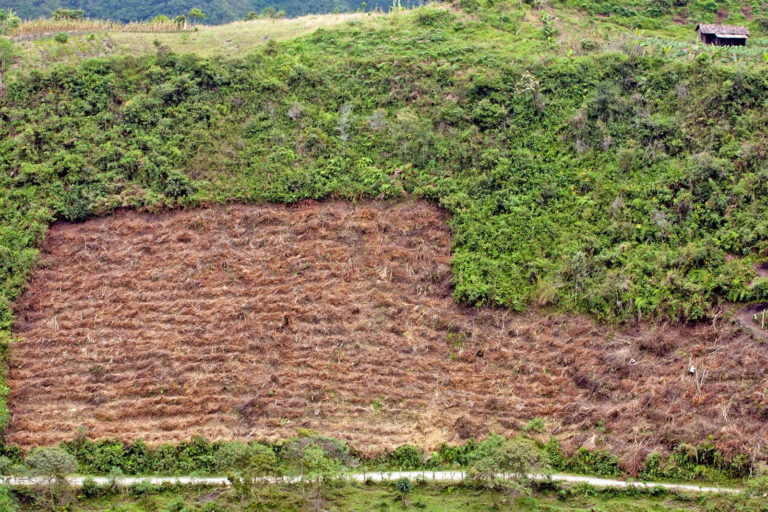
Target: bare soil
x=751, y=318
x=250, y=321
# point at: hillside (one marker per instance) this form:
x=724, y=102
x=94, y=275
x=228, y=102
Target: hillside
x=643, y=13
x=251, y=321
x=602, y=178
x=217, y=11
x=621, y=185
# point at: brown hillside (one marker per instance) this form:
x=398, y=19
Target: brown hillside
x=250, y=321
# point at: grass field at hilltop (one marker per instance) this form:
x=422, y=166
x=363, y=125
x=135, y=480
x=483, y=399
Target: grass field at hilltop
x=228, y=40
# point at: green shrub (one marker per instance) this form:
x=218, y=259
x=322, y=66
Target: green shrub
x=757, y=487
x=598, y=462
x=51, y=462
x=61, y=38
x=238, y=456
x=73, y=203
x=432, y=17
x=7, y=501
x=536, y=425
x=7, y=53
x=90, y=489
x=177, y=184
x=405, y=458
x=68, y=14
x=488, y=115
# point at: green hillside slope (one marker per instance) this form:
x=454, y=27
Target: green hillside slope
x=617, y=184
x=217, y=11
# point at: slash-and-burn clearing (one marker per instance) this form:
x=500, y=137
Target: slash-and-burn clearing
x=250, y=321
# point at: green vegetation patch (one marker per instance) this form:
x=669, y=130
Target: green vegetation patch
x=337, y=496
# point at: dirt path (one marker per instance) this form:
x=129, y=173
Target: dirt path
x=746, y=318
x=437, y=476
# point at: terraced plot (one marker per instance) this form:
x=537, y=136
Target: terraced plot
x=250, y=321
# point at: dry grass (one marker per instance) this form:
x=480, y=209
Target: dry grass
x=236, y=38
x=249, y=321
x=43, y=27
x=133, y=39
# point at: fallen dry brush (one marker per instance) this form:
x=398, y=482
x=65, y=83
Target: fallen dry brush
x=249, y=321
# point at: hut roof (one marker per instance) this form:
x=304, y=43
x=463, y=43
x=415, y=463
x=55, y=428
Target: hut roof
x=725, y=30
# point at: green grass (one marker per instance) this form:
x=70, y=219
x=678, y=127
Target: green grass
x=427, y=497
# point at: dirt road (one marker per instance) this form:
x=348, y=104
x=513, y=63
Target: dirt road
x=438, y=476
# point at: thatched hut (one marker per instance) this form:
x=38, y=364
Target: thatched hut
x=723, y=35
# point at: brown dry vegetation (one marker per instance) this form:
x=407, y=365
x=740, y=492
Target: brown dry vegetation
x=250, y=321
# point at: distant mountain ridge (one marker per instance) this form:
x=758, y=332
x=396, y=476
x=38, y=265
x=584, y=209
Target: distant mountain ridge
x=217, y=11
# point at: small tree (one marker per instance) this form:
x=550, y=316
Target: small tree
x=262, y=464
x=7, y=52
x=180, y=21
x=52, y=464
x=317, y=468
x=252, y=15
x=403, y=487
x=68, y=14
x=505, y=464
x=196, y=14
x=8, y=21
x=269, y=12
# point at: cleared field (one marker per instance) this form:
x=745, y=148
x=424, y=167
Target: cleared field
x=37, y=47
x=250, y=321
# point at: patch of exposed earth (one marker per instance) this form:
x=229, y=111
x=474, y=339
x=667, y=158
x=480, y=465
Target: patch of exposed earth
x=249, y=321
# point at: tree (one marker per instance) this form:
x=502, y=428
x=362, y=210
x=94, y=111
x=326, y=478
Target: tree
x=196, y=14
x=505, y=464
x=317, y=468
x=8, y=21
x=252, y=15
x=269, y=12
x=52, y=464
x=403, y=487
x=68, y=14
x=7, y=52
x=261, y=464
x=180, y=21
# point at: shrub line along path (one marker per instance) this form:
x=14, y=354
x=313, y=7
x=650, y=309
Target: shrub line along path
x=438, y=476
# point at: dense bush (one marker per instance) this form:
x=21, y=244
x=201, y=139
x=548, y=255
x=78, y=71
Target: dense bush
x=406, y=457
x=701, y=462
x=201, y=457
x=7, y=500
